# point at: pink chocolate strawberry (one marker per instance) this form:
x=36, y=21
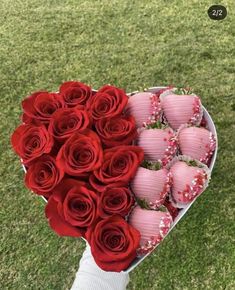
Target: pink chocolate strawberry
x=189, y=181
x=158, y=144
x=181, y=109
x=152, y=225
x=198, y=143
x=151, y=186
x=145, y=107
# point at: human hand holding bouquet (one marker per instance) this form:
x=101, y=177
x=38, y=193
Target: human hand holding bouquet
x=114, y=169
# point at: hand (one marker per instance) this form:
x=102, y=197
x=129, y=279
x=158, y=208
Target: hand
x=90, y=277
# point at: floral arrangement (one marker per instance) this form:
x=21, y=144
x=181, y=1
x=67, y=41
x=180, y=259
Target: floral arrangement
x=114, y=169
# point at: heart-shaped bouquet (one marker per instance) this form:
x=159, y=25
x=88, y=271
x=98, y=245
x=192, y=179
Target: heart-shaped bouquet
x=116, y=169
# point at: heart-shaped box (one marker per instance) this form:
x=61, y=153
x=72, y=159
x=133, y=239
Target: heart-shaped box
x=182, y=212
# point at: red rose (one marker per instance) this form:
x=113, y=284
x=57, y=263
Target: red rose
x=40, y=106
x=75, y=93
x=81, y=153
x=119, y=166
x=65, y=122
x=43, y=175
x=108, y=102
x=71, y=208
x=116, y=131
x=30, y=142
x=29, y=120
x=115, y=200
x=113, y=243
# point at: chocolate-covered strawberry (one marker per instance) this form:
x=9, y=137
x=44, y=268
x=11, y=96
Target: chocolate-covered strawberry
x=159, y=144
x=145, y=107
x=181, y=107
x=189, y=179
x=198, y=143
x=151, y=186
x=152, y=225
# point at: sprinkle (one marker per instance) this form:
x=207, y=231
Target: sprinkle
x=196, y=188
x=196, y=111
x=171, y=149
x=149, y=245
x=210, y=149
x=156, y=108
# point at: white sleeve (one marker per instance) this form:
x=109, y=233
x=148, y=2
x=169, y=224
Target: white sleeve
x=90, y=277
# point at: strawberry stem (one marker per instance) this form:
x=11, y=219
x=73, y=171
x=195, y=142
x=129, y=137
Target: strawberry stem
x=183, y=91
x=152, y=165
x=143, y=203
x=193, y=163
x=162, y=208
x=156, y=125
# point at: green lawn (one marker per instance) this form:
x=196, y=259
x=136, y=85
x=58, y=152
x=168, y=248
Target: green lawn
x=131, y=44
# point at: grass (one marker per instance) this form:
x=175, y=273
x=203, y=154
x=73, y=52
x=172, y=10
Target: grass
x=131, y=44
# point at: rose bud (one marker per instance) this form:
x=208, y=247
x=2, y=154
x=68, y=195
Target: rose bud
x=152, y=186
x=152, y=225
x=43, y=175
x=72, y=208
x=116, y=131
x=113, y=243
x=198, y=143
x=158, y=144
x=65, y=122
x=30, y=142
x=115, y=200
x=195, y=180
x=119, y=166
x=181, y=108
x=81, y=154
x=39, y=107
x=145, y=107
x=108, y=102
x=75, y=93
